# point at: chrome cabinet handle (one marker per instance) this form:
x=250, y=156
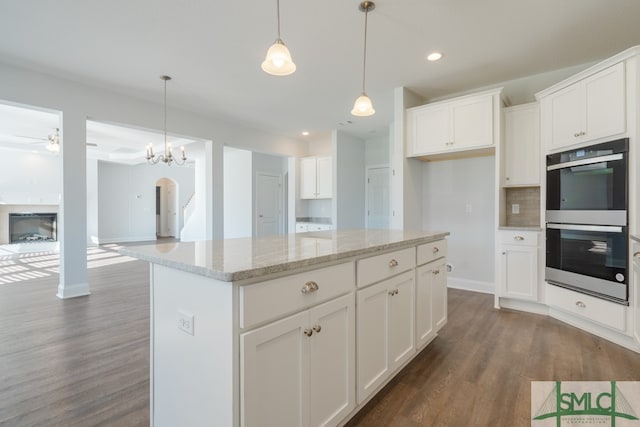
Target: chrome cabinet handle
x=393, y=263
x=436, y=250
x=308, y=332
x=309, y=287
x=581, y=304
x=504, y=253
x=436, y=271
x=636, y=255
x=518, y=238
x=317, y=328
x=393, y=292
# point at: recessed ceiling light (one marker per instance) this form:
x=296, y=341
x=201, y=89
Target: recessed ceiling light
x=434, y=56
x=305, y=133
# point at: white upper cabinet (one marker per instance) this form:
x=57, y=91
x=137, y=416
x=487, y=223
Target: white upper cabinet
x=316, y=177
x=586, y=110
x=522, y=145
x=464, y=123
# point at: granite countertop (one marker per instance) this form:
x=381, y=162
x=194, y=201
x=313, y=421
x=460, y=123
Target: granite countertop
x=635, y=237
x=238, y=259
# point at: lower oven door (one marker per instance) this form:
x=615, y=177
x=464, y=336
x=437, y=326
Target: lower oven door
x=588, y=258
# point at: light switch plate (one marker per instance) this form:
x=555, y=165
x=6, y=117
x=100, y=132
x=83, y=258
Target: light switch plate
x=515, y=208
x=185, y=322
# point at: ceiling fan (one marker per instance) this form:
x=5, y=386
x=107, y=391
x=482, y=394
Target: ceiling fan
x=52, y=140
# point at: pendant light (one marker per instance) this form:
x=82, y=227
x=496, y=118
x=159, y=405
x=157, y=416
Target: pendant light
x=167, y=156
x=363, y=106
x=278, y=61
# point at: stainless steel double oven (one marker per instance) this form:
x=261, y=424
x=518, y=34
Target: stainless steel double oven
x=586, y=214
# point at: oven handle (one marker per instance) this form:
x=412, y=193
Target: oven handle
x=590, y=161
x=603, y=228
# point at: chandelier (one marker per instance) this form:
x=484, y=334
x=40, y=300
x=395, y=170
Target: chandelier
x=167, y=156
x=54, y=142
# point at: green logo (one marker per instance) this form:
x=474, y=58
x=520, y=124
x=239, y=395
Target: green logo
x=583, y=406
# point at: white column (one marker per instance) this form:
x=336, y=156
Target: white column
x=72, y=224
x=215, y=190
x=92, y=202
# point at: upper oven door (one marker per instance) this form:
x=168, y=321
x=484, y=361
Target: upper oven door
x=583, y=183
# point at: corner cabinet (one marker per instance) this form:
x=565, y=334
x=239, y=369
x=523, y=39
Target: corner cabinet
x=522, y=145
x=465, y=123
x=591, y=108
x=518, y=265
x=316, y=178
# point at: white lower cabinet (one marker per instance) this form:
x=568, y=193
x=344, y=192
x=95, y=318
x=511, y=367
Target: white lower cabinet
x=635, y=297
x=519, y=265
x=431, y=300
x=299, y=371
x=385, y=332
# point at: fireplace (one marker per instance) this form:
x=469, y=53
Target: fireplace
x=33, y=227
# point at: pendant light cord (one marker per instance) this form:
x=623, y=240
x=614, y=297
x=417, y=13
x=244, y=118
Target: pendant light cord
x=364, y=60
x=166, y=148
x=278, y=12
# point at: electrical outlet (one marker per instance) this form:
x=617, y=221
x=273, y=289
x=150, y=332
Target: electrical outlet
x=515, y=208
x=467, y=208
x=185, y=322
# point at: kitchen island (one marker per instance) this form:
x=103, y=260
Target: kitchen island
x=292, y=330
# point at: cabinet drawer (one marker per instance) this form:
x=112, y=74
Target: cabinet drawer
x=319, y=227
x=376, y=268
x=431, y=251
x=301, y=227
x=520, y=238
x=595, y=309
x=275, y=298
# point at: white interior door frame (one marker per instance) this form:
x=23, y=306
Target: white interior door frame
x=265, y=208
x=369, y=171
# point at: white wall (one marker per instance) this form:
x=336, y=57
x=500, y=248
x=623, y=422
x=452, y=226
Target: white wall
x=238, y=193
x=451, y=189
x=377, y=150
x=28, y=178
x=127, y=199
x=348, y=181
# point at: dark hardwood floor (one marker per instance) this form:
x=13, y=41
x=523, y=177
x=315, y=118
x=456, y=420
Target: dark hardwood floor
x=85, y=361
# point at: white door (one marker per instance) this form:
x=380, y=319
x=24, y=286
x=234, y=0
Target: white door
x=308, y=178
x=519, y=272
x=401, y=320
x=268, y=204
x=274, y=374
x=172, y=209
x=425, y=276
x=378, y=197
x=324, y=177
x=439, y=295
x=332, y=361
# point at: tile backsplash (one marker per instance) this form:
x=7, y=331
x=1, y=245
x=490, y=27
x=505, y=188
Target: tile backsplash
x=528, y=201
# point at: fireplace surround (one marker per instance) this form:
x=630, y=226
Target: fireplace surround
x=33, y=227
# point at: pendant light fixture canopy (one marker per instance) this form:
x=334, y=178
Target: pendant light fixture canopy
x=167, y=157
x=363, y=106
x=278, y=61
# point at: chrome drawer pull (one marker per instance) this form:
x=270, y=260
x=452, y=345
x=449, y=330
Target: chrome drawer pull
x=393, y=292
x=317, y=328
x=636, y=255
x=581, y=304
x=393, y=263
x=436, y=250
x=309, y=287
x=308, y=332
x=518, y=238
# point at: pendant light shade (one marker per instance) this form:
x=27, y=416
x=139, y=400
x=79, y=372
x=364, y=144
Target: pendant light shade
x=278, y=61
x=363, y=106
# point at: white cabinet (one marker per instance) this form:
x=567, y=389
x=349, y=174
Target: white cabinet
x=454, y=125
x=635, y=297
x=316, y=177
x=431, y=302
x=518, y=261
x=385, y=332
x=592, y=108
x=299, y=371
x=303, y=227
x=522, y=145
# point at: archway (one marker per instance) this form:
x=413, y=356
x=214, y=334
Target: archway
x=167, y=219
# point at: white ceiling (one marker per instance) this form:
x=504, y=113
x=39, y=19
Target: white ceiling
x=213, y=50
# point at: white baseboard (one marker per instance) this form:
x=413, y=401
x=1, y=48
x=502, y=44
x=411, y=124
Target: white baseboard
x=528, y=306
x=470, y=285
x=74, y=290
x=124, y=239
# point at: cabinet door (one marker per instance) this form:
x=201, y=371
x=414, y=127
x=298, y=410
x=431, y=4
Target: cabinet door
x=332, y=361
x=401, y=318
x=519, y=272
x=424, y=313
x=635, y=301
x=605, y=103
x=565, y=113
x=308, y=176
x=274, y=374
x=472, y=123
x=324, y=177
x=522, y=146
x=439, y=295
x=372, y=325
x=431, y=129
